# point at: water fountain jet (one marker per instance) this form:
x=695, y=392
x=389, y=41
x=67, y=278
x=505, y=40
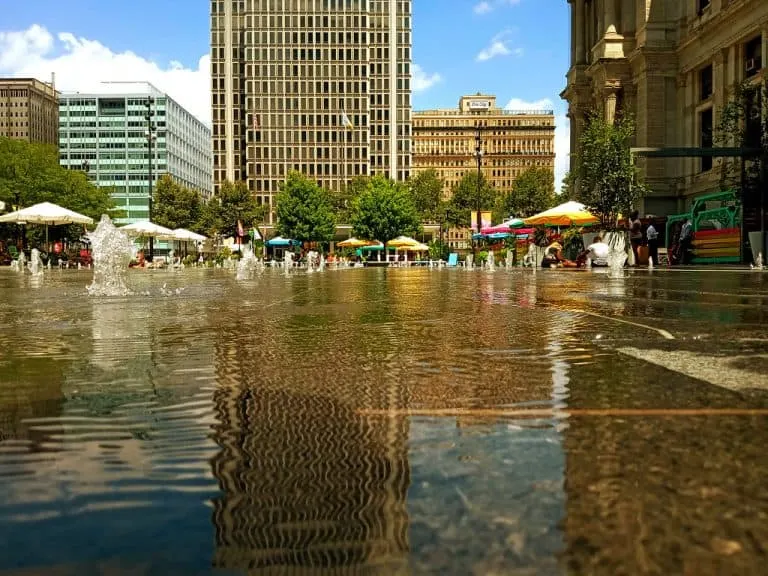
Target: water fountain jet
x=111, y=255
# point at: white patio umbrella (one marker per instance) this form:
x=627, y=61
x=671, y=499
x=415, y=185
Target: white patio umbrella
x=45, y=213
x=188, y=236
x=184, y=235
x=146, y=229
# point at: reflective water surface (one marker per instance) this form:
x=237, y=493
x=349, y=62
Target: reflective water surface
x=385, y=422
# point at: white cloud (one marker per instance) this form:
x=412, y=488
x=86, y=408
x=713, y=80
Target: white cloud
x=82, y=65
x=562, y=133
x=485, y=6
x=495, y=48
x=421, y=81
x=482, y=7
x=499, y=46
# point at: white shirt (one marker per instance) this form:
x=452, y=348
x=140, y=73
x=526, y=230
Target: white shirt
x=598, y=252
x=651, y=233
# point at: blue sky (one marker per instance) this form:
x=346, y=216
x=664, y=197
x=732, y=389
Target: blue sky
x=516, y=49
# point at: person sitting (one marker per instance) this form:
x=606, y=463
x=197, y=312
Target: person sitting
x=597, y=253
x=553, y=257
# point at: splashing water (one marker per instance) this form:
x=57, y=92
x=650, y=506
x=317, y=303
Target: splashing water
x=616, y=261
x=468, y=262
x=36, y=263
x=288, y=262
x=20, y=265
x=491, y=262
x=510, y=260
x=759, y=262
x=246, y=266
x=111, y=255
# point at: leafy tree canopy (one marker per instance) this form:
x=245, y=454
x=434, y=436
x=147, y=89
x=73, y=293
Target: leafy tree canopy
x=384, y=211
x=175, y=206
x=233, y=202
x=427, y=191
x=532, y=192
x=305, y=211
x=30, y=173
x=465, y=199
x=607, y=177
x=344, y=199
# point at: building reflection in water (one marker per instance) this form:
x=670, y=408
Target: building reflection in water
x=308, y=481
x=676, y=494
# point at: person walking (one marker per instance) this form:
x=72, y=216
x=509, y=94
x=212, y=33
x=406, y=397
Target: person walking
x=686, y=239
x=653, y=243
x=635, y=235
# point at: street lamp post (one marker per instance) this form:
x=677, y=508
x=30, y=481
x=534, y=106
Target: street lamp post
x=150, y=138
x=479, y=157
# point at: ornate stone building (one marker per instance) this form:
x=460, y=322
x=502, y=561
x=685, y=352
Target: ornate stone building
x=511, y=140
x=673, y=64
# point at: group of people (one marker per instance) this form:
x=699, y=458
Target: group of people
x=597, y=253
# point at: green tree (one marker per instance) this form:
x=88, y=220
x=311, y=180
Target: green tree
x=568, y=190
x=743, y=124
x=465, y=199
x=384, y=211
x=427, y=191
x=30, y=173
x=175, y=206
x=305, y=211
x=344, y=199
x=607, y=177
x=532, y=192
x=233, y=202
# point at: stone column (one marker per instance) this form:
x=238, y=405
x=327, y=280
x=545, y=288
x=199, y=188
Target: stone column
x=627, y=17
x=574, y=26
x=765, y=46
x=581, y=28
x=610, y=97
x=609, y=24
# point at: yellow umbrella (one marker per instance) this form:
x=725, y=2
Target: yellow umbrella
x=568, y=214
x=418, y=247
x=402, y=242
x=353, y=243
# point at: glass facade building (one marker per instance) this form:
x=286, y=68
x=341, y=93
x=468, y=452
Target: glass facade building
x=107, y=136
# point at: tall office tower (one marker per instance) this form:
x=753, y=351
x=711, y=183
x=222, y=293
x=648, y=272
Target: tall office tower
x=322, y=87
x=29, y=110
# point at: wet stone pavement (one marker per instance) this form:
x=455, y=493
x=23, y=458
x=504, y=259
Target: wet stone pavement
x=385, y=422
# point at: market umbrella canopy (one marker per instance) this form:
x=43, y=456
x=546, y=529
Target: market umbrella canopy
x=402, y=242
x=505, y=227
x=568, y=214
x=46, y=213
x=354, y=243
x=280, y=241
x=187, y=235
x=148, y=229
x=418, y=247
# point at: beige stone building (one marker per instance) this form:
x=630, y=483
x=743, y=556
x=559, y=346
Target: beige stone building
x=673, y=64
x=512, y=141
x=29, y=110
x=317, y=86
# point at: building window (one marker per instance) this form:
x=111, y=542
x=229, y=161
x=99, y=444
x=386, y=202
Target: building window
x=705, y=121
x=753, y=56
x=705, y=82
x=703, y=5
